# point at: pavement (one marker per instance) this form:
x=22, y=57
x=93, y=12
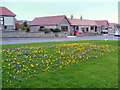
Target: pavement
x=56, y=39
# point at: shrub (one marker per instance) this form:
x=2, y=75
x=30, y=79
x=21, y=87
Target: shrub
x=41, y=29
x=46, y=30
x=56, y=30
x=51, y=29
x=28, y=29
x=24, y=26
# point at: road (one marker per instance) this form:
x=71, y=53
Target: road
x=34, y=40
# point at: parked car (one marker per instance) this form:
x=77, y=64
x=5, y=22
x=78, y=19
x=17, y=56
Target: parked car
x=78, y=31
x=104, y=31
x=117, y=33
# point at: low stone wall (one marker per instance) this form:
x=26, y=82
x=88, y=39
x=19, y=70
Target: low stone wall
x=20, y=34
x=61, y=34
x=88, y=34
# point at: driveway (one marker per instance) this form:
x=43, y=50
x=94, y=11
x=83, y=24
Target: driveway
x=34, y=40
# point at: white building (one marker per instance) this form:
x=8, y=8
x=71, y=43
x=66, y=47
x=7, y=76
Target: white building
x=7, y=19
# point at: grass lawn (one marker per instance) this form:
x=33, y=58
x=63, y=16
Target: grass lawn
x=71, y=64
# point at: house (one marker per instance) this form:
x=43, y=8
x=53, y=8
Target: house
x=103, y=24
x=49, y=22
x=84, y=25
x=112, y=26
x=7, y=19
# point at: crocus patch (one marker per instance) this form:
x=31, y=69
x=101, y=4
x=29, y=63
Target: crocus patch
x=24, y=63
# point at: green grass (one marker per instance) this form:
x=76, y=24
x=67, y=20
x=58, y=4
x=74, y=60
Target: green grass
x=96, y=73
x=114, y=43
x=99, y=73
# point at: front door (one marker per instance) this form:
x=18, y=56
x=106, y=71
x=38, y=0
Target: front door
x=87, y=29
x=95, y=28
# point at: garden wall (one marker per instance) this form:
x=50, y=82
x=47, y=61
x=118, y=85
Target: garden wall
x=20, y=34
x=88, y=34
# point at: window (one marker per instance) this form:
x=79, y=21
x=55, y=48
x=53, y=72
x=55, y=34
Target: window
x=92, y=28
x=1, y=21
x=41, y=26
x=83, y=29
x=64, y=28
x=77, y=28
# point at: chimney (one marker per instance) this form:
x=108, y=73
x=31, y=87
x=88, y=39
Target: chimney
x=81, y=17
x=71, y=16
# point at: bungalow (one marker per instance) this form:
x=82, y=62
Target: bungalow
x=49, y=22
x=7, y=19
x=103, y=23
x=84, y=25
x=112, y=26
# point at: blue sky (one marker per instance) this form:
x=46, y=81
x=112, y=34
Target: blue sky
x=94, y=10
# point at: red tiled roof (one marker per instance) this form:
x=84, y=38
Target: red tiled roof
x=6, y=12
x=50, y=20
x=83, y=22
x=102, y=22
x=111, y=25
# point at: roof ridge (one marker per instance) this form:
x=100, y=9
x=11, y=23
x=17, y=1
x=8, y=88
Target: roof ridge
x=51, y=16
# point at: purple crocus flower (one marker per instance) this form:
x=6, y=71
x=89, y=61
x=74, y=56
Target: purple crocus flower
x=76, y=56
x=27, y=48
x=13, y=61
x=19, y=80
x=45, y=63
x=90, y=49
x=36, y=66
x=53, y=65
x=37, y=56
x=59, y=62
x=38, y=62
x=46, y=57
x=84, y=54
x=10, y=75
x=14, y=77
x=19, y=66
x=62, y=55
x=23, y=61
x=32, y=61
x=52, y=46
x=27, y=59
x=19, y=54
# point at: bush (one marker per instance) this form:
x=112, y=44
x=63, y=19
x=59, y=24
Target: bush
x=51, y=29
x=22, y=28
x=28, y=29
x=55, y=30
x=41, y=29
x=46, y=30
